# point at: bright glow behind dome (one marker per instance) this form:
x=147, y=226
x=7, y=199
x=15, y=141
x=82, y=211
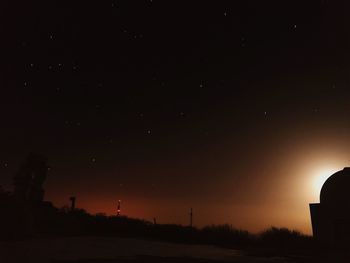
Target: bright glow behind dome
x=320, y=177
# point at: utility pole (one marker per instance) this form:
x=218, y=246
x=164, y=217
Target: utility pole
x=72, y=205
x=191, y=217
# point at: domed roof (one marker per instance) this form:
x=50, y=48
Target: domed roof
x=336, y=190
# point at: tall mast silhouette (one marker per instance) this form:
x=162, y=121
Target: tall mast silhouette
x=118, y=208
x=191, y=217
x=72, y=200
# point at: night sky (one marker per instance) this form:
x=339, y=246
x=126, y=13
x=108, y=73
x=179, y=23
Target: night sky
x=234, y=108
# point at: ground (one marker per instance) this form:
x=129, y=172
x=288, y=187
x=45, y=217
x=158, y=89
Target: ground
x=113, y=250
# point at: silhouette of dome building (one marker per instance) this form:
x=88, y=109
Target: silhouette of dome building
x=331, y=217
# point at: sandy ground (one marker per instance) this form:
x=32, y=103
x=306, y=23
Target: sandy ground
x=110, y=250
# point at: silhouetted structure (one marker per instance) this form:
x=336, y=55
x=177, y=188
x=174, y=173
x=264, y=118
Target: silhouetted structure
x=118, y=208
x=331, y=217
x=191, y=217
x=28, y=182
x=72, y=203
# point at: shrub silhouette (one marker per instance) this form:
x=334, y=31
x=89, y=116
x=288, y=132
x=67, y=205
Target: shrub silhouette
x=227, y=235
x=282, y=237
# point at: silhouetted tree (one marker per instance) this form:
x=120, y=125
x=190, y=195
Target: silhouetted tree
x=28, y=181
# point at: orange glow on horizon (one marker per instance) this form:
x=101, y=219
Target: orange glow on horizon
x=251, y=197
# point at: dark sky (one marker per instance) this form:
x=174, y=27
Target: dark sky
x=225, y=106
